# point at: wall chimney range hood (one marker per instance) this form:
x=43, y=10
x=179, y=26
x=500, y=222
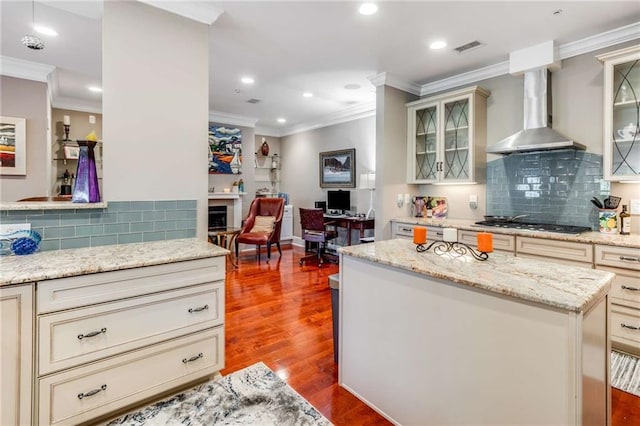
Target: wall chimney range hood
x=537, y=134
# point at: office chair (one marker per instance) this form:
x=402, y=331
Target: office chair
x=262, y=226
x=314, y=229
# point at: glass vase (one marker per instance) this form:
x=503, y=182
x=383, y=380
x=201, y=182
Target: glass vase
x=86, y=189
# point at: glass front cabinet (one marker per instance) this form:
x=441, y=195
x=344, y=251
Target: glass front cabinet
x=447, y=137
x=621, y=150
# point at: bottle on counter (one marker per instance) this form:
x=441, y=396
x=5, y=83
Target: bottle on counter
x=241, y=185
x=625, y=221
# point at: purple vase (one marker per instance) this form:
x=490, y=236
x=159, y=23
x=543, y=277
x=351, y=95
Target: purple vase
x=86, y=189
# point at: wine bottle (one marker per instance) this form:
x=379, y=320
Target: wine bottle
x=625, y=221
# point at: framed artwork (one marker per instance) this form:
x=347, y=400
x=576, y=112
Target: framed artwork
x=338, y=169
x=13, y=146
x=71, y=152
x=225, y=150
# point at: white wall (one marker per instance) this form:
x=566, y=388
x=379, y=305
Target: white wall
x=300, y=174
x=27, y=99
x=155, y=106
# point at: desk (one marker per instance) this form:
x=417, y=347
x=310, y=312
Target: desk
x=349, y=223
x=225, y=237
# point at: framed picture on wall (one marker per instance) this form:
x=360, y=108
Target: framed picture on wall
x=13, y=146
x=338, y=169
x=71, y=152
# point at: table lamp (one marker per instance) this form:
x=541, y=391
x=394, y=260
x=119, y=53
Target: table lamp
x=368, y=181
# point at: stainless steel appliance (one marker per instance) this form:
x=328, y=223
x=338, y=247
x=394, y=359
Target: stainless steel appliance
x=528, y=226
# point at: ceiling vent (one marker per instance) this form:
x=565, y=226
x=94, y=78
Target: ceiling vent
x=253, y=101
x=469, y=46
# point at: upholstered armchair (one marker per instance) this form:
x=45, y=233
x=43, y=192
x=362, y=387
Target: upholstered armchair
x=262, y=225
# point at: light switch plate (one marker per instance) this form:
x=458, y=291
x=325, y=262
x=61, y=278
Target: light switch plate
x=9, y=228
x=634, y=207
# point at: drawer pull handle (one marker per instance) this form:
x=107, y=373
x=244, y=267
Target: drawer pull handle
x=629, y=327
x=92, y=334
x=407, y=229
x=202, y=308
x=631, y=259
x=439, y=234
x=92, y=392
x=624, y=287
x=193, y=358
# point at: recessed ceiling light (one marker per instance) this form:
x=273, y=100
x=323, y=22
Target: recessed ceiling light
x=439, y=44
x=352, y=86
x=45, y=30
x=282, y=120
x=95, y=88
x=368, y=8
x=247, y=80
x=307, y=95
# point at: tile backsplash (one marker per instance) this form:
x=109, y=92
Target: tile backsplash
x=550, y=187
x=120, y=223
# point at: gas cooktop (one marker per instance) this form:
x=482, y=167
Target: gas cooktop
x=545, y=227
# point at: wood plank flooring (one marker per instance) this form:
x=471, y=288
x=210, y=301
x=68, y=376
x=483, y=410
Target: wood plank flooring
x=280, y=313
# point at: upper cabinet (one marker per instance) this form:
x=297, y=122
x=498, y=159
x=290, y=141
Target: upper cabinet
x=621, y=114
x=447, y=137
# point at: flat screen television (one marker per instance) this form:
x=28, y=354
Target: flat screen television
x=339, y=200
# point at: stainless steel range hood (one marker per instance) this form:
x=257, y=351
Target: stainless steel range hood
x=537, y=134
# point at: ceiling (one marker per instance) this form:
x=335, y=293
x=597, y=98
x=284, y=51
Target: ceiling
x=294, y=46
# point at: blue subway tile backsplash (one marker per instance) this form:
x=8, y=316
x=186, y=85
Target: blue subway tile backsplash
x=120, y=223
x=550, y=187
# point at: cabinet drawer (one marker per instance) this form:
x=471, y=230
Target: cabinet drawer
x=625, y=289
x=625, y=328
x=72, y=292
x=128, y=378
x=405, y=230
x=558, y=250
x=76, y=337
x=620, y=257
x=501, y=242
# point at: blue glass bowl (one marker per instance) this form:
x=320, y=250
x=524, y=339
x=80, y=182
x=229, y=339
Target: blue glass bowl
x=19, y=243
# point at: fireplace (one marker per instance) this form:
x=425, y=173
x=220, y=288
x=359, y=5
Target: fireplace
x=217, y=216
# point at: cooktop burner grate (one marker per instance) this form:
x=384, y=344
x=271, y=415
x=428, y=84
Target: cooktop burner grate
x=545, y=227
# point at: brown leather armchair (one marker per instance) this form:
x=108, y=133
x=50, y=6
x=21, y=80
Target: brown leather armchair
x=257, y=227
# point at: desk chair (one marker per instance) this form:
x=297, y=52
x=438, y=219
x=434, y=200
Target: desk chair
x=314, y=229
x=262, y=226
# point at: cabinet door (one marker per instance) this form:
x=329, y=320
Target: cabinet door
x=424, y=144
x=456, y=153
x=622, y=116
x=16, y=354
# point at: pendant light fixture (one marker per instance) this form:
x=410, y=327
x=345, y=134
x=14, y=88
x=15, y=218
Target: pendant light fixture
x=32, y=41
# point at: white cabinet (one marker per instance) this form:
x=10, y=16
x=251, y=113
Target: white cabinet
x=625, y=294
x=621, y=101
x=501, y=242
x=286, y=231
x=16, y=354
x=109, y=340
x=567, y=252
x=405, y=230
x=447, y=137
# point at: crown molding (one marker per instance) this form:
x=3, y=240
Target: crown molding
x=73, y=104
x=203, y=12
x=386, y=79
x=600, y=41
x=233, y=119
x=490, y=71
x=19, y=68
x=355, y=112
x=268, y=131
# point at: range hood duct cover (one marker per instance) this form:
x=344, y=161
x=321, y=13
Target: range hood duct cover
x=537, y=134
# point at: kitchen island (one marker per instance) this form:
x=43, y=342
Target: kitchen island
x=436, y=339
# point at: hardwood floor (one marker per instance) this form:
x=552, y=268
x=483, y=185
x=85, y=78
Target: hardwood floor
x=280, y=313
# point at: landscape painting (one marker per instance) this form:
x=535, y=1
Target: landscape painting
x=338, y=169
x=225, y=150
x=13, y=148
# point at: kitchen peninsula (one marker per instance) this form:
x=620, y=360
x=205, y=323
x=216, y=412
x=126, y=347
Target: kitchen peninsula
x=89, y=331
x=436, y=339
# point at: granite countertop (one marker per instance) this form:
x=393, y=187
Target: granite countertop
x=632, y=240
x=66, y=263
x=560, y=286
